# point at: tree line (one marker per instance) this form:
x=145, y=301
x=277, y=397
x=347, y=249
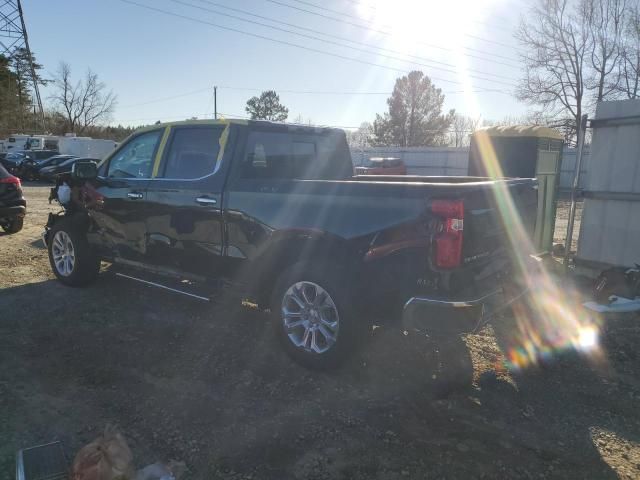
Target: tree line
x=574, y=54
x=82, y=106
x=414, y=118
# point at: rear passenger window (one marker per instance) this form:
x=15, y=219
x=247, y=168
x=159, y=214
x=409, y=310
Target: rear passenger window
x=279, y=155
x=192, y=153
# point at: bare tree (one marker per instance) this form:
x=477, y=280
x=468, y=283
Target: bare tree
x=558, y=43
x=359, y=141
x=361, y=138
x=83, y=104
x=300, y=120
x=461, y=129
x=605, y=21
x=629, y=77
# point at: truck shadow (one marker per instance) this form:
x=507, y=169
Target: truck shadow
x=209, y=385
x=584, y=402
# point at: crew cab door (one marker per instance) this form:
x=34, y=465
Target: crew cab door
x=185, y=227
x=121, y=187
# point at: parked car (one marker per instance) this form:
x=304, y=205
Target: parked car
x=13, y=206
x=13, y=162
x=32, y=159
x=64, y=168
x=32, y=170
x=276, y=208
x=382, y=166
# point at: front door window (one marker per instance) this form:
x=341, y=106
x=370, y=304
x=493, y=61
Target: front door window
x=135, y=159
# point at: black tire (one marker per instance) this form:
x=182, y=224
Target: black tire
x=349, y=327
x=86, y=264
x=14, y=225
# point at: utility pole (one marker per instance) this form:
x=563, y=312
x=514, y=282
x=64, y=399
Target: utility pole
x=582, y=130
x=13, y=36
x=215, y=102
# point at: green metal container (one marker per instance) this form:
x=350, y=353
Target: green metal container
x=526, y=152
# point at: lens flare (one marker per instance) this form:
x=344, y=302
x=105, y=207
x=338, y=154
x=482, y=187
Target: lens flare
x=552, y=319
x=587, y=338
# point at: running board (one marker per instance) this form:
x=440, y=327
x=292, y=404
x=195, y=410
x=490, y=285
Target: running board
x=158, y=285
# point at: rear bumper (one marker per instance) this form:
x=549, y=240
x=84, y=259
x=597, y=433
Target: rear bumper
x=14, y=211
x=467, y=311
x=435, y=315
x=452, y=303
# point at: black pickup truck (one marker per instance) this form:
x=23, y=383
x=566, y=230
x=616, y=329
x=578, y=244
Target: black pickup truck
x=277, y=209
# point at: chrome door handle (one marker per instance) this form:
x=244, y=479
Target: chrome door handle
x=206, y=201
x=134, y=195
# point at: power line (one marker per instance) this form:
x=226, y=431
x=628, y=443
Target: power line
x=372, y=7
x=164, y=118
x=344, y=14
x=244, y=12
x=325, y=92
x=449, y=70
x=162, y=99
x=282, y=42
x=357, y=25
x=293, y=92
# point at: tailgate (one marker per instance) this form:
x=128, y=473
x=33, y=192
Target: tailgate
x=495, y=217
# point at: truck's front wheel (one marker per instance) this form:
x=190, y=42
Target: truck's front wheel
x=72, y=259
x=313, y=316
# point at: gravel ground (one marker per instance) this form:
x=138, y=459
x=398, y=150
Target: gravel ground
x=562, y=219
x=207, y=384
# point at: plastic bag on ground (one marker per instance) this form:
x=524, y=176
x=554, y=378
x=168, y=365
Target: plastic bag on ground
x=161, y=471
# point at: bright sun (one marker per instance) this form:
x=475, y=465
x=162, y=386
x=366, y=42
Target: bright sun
x=440, y=30
x=411, y=21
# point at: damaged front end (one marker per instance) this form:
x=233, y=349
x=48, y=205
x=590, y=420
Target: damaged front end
x=74, y=194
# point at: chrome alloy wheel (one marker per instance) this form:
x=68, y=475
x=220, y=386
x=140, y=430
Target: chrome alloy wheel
x=310, y=317
x=63, y=253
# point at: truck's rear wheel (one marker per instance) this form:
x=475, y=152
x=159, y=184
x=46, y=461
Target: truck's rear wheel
x=72, y=259
x=313, y=316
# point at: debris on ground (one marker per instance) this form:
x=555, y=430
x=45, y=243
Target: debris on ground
x=109, y=457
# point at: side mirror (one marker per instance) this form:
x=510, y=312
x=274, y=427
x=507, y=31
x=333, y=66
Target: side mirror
x=84, y=170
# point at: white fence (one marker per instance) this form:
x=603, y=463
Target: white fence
x=610, y=224
x=421, y=160
x=450, y=161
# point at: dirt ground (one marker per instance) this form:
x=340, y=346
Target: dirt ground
x=562, y=219
x=208, y=385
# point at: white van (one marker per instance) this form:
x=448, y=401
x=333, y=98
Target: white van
x=86, y=147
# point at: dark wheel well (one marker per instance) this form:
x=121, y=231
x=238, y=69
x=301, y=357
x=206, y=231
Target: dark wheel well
x=282, y=255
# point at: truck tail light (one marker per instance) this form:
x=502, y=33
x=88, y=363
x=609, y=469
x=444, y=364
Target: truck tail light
x=11, y=179
x=448, y=239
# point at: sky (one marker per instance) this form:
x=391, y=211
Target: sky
x=333, y=62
